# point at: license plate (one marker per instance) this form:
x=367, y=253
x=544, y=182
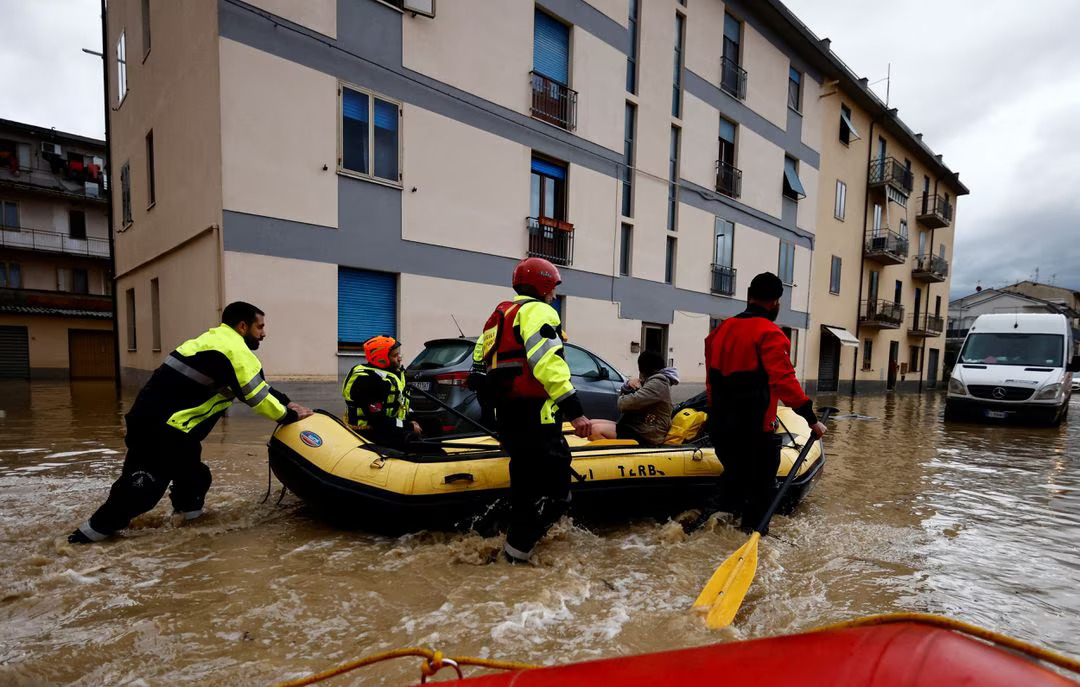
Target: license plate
x=422, y=386
x=997, y=414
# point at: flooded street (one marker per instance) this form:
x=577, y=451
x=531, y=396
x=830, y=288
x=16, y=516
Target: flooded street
x=977, y=523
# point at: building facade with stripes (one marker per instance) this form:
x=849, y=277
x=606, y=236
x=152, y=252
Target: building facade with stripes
x=361, y=167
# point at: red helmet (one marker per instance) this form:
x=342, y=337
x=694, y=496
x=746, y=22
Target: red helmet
x=377, y=350
x=538, y=273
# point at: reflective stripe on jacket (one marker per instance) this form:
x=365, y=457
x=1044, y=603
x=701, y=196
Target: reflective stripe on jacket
x=201, y=378
x=526, y=357
x=373, y=395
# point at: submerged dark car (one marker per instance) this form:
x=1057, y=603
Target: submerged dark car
x=443, y=366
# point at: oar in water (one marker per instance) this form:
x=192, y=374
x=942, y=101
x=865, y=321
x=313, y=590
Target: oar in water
x=725, y=590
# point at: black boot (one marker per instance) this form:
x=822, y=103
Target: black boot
x=77, y=537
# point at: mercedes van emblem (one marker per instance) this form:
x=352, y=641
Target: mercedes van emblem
x=999, y=392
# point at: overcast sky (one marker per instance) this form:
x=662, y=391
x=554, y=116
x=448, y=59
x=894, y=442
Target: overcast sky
x=994, y=87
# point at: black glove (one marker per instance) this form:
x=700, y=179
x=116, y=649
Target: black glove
x=476, y=381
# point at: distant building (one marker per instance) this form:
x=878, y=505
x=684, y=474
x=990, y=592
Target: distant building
x=55, y=268
x=964, y=311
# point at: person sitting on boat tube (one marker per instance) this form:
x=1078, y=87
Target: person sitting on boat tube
x=175, y=411
x=522, y=350
x=645, y=404
x=748, y=363
x=376, y=399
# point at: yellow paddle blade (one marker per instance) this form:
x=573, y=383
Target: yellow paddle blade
x=728, y=586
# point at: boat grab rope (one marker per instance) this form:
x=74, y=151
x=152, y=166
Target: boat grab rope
x=1046, y=655
x=435, y=662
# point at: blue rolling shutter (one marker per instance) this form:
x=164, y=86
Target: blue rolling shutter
x=551, y=48
x=548, y=169
x=367, y=305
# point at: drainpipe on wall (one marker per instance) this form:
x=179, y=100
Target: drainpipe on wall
x=108, y=191
x=862, y=260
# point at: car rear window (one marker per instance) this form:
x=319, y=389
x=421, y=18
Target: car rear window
x=442, y=354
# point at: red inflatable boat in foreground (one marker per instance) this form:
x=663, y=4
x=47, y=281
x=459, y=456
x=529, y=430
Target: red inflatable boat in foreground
x=912, y=653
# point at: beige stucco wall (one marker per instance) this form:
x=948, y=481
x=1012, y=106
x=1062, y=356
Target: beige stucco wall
x=700, y=144
x=593, y=211
x=686, y=344
x=695, y=249
x=495, y=68
x=48, y=337
x=484, y=210
x=426, y=304
x=175, y=92
x=807, y=212
x=300, y=300
x=754, y=252
x=596, y=325
x=767, y=75
x=278, y=132
x=615, y=9
x=704, y=44
x=318, y=15
x=762, y=165
x=594, y=70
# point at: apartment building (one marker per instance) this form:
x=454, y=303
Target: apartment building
x=361, y=167
x=55, y=271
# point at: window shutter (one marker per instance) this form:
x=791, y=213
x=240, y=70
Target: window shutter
x=367, y=305
x=551, y=48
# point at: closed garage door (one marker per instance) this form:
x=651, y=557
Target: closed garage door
x=367, y=305
x=14, y=353
x=90, y=354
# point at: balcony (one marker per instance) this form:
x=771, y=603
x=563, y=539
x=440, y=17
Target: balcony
x=732, y=78
x=881, y=314
x=54, y=242
x=926, y=325
x=930, y=268
x=886, y=248
x=893, y=176
x=728, y=179
x=935, y=211
x=553, y=102
x=551, y=239
x=723, y=280
x=36, y=302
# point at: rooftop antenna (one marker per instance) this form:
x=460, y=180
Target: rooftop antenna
x=457, y=325
x=888, y=82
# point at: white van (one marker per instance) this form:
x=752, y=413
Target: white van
x=1014, y=367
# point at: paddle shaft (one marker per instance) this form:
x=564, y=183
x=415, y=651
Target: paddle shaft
x=791, y=475
x=455, y=411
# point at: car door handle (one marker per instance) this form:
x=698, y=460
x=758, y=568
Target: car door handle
x=458, y=477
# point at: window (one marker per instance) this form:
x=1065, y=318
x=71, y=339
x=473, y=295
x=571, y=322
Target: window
x=145, y=28
x=76, y=224
x=794, y=89
x=551, y=48
x=877, y=219
x=903, y=229
x=9, y=215
x=673, y=177
x=626, y=249
x=581, y=364
x=937, y=306
x=840, y=208
x=732, y=77
x=121, y=68
x=867, y=353
x=80, y=280
x=155, y=314
x=847, y=129
x=370, y=145
x=793, y=188
x=834, y=274
x=669, y=261
x=728, y=176
x=786, y=268
x=151, y=197
x=792, y=335
x=634, y=16
x=913, y=358
x=10, y=276
x=627, y=171
x=922, y=243
x=724, y=250
x=941, y=251
x=130, y=298
x=898, y=292
x=63, y=279
x=676, y=84
x=547, y=189
x=125, y=194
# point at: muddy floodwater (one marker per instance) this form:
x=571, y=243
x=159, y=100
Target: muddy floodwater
x=978, y=523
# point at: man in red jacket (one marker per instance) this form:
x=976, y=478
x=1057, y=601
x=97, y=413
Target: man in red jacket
x=749, y=369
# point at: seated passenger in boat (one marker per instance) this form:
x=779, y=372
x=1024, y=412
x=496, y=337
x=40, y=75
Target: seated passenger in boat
x=645, y=404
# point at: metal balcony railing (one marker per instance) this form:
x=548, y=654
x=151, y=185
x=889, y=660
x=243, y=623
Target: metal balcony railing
x=935, y=211
x=732, y=78
x=886, y=247
x=728, y=179
x=551, y=239
x=891, y=172
x=723, y=279
x=53, y=242
x=553, y=102
x=926, y=324
x=881, y=313
x=37, y=298
x=931, y=268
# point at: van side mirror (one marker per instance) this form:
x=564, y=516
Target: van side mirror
x=1074, y=364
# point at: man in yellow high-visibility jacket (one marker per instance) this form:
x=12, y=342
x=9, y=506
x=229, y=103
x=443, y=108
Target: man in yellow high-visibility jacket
x=522, y=350
x=175, y=411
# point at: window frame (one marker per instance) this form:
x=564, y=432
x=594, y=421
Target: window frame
x=674, y=163
x=789, y=267
x=671, y=251
x=155, y=315
x=679, y=64
x=132, y=332
x=633, y=30
x=626, y=249
x=840, y=202
x=121, y=68
x=145, y=17
x=126, y=219
x=847, y=126
x=795, y=79
x=372, y=96
x=626, y=181
x=72, y=214
x=3, y=214
x=836, y=267
x=151, y=186
x=7, y=269
x=868, y=355
x=788, y=188
x=561, y=188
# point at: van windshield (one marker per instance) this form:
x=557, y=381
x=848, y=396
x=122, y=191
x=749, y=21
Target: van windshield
x=991, y=348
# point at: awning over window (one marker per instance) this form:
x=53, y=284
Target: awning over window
x=842, y=335
x=791, y=180
x=847, y=122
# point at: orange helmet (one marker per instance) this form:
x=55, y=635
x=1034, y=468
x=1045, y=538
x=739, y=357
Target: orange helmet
x=377, y=350
x=538, y=273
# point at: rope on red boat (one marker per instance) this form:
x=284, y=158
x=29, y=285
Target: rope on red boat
x=435, y=660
